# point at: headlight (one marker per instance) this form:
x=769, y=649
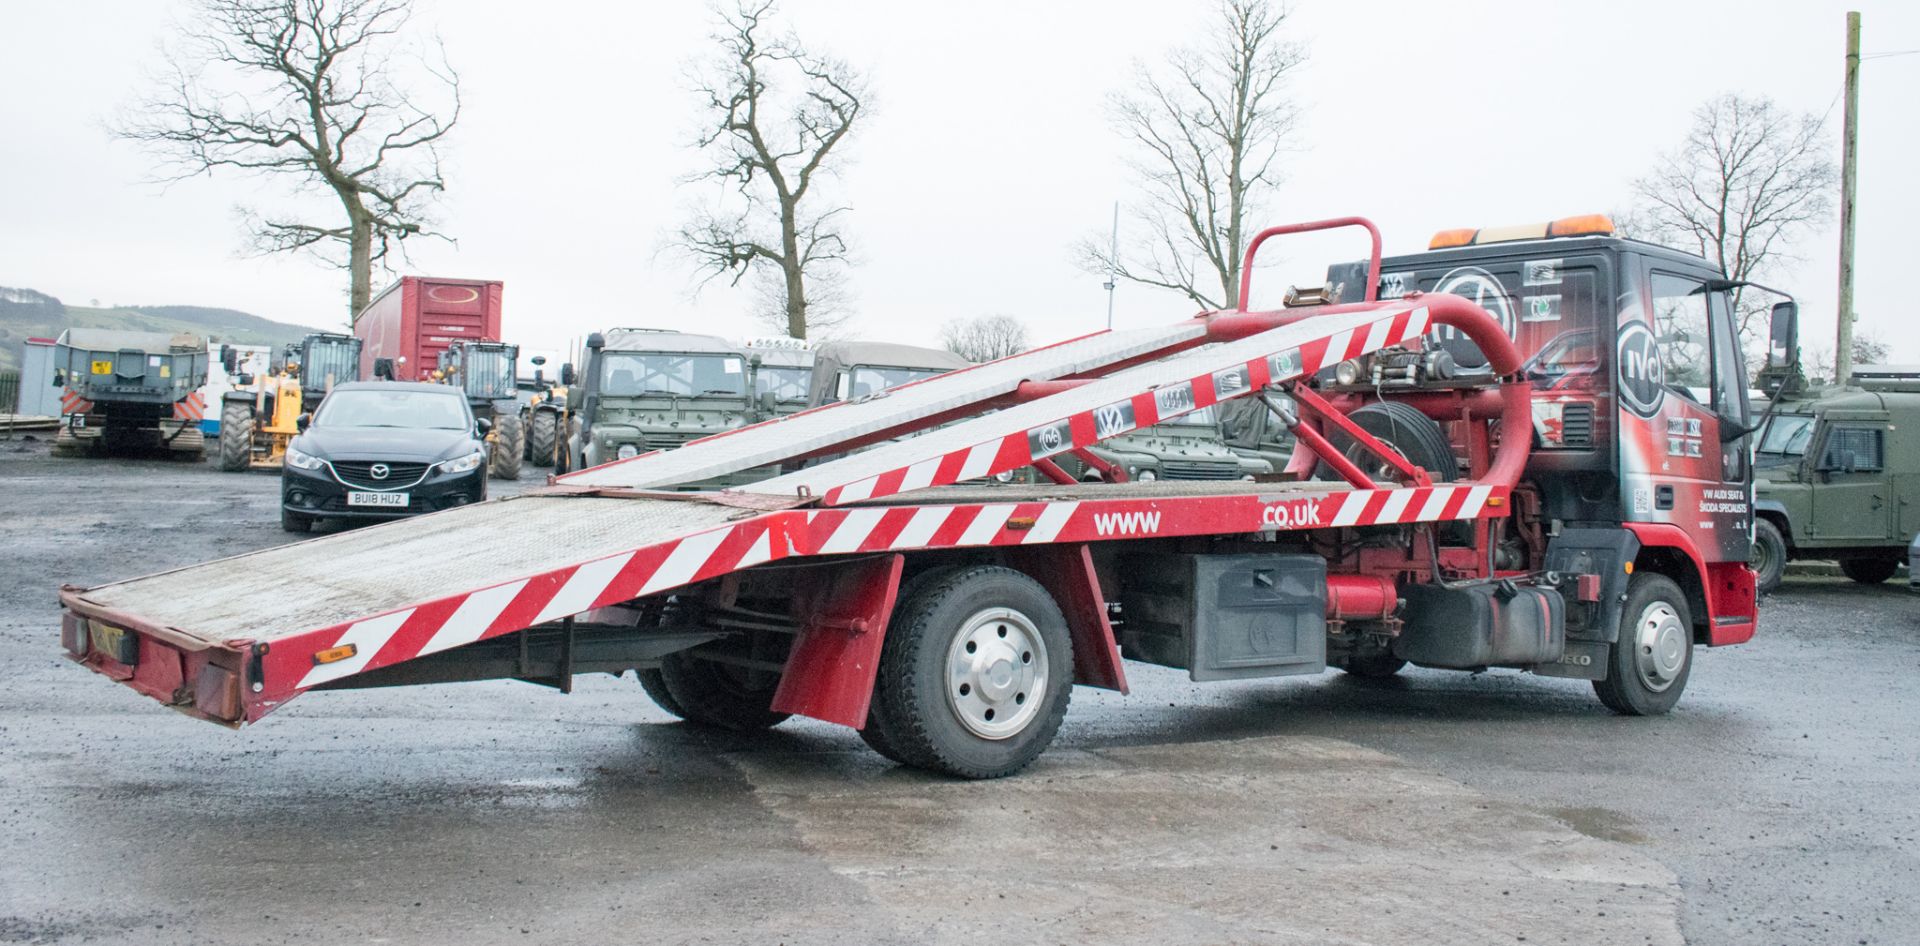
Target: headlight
x=463, y=464
x=627, y=451
x=1147, y=476
x=303, y=461
x=1004, y=476
x=1347, y=372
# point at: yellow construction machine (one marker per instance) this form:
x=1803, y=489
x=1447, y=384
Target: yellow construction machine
x=262, y=413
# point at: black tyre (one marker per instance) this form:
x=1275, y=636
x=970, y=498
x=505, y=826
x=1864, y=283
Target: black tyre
x=719, y=695
x=236, y=436
x=1418, y=437
x=1653, y=658
x=655, y=683
x=1769, y=559
x=1374, y=666
x=1869, y=571
x=543, y=431
x=874, y=733
x=503, y=459
x=975, y=675
x=291, y=521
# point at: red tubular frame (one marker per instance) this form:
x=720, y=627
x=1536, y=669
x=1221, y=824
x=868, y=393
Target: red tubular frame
x=1373, y=264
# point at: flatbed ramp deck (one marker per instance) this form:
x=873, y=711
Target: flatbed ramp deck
x=304, y=615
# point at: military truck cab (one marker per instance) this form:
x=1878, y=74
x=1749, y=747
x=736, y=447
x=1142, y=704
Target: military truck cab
x=1840, y=476
x=782, y=370
x=645, y=389
x=849, y=371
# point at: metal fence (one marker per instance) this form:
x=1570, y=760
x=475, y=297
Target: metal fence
x=9, y=392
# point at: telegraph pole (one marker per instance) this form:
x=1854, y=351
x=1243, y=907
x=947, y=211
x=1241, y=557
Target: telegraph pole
x=1113, y=264
x=1849, y=133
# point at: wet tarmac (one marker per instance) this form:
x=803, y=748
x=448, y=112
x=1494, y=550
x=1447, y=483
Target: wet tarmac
x=1775, y=806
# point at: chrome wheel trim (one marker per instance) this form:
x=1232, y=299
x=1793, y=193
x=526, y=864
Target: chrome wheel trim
x=1661, y=647
x=997, y=673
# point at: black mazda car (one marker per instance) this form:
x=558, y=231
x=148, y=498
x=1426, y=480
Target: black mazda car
x=383, y=449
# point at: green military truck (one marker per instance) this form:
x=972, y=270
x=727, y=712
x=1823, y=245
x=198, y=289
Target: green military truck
x=1189, y=447
x=1838, y=475
x=645, y=389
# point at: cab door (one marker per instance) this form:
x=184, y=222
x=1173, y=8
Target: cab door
x=1679, y=381
x=1852, y=498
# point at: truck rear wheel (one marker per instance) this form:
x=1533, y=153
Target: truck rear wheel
x=1374, y=666
x=1653, y=656
x=1869, y=571
x=236, y=436
x=543, y=430
x=975, y=675
x=504, y=458
x=1769, y=559
x=655, y=684
x=720, y=695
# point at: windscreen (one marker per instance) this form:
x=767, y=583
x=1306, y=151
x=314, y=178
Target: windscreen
x=1200, y=418
x=872, y=379
x=417, y=410
x=641, y=374
x=1787, y=434
x=785, y=383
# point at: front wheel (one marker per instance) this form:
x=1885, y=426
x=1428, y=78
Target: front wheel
x=1869, y=571
x=295, y=522
x=975, y=675
x=503, y=461
x=1769, y=559
x=1654, y=654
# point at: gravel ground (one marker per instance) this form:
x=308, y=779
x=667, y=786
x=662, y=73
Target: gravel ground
x=1775, y=806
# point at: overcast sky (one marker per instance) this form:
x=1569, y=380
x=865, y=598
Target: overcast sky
x=987, y=154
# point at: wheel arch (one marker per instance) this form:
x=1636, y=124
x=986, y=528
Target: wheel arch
x=1776, y=512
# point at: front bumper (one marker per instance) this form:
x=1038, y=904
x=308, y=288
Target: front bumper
x=321, y=494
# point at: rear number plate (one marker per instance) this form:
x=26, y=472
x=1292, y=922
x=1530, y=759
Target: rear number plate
x=378, y=500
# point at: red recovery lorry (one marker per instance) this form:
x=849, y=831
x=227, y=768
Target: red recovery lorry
x=1430, y=514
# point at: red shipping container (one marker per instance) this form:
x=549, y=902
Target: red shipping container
x=417, y=318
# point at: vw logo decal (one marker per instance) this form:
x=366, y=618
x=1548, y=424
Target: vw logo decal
x=1643, y=378
x=379, y=471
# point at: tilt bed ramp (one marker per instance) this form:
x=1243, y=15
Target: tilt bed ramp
x=947, y=622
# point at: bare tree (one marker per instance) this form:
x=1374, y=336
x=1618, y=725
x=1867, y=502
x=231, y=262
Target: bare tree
x=314, y=91
x=1748, y=180
x=985, y=337
x=775, y=114
x=1867, y=350
x=1209, y=131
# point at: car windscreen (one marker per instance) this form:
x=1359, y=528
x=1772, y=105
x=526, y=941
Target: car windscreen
x=872, y=379
x=784, y=382
x=1787, y=434
x=419, y=410
x=639, y=374
x=1200, y=418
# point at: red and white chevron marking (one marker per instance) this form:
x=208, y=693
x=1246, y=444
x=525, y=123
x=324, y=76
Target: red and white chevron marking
x=193, y=407
x=1022, y=448
x=72, y=403
x=385, y=639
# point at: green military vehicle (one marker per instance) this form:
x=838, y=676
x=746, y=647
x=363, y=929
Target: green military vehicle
x=848, y=371
x=1838, y=475
x=782, y=372
x=1191, y=446
x=644, y=389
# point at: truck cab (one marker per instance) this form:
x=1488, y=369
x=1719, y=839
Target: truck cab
x=646, y=389
x=1641, y=419
x=1837, y=476
x=848, y=371
x=782, y=370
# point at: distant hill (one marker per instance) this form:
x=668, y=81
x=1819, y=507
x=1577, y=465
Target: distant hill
x=25, y=313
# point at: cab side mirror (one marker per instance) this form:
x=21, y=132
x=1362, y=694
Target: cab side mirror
x=59, y=380
x=300, y=423
x=566, y=374
x=483, y=425
x=383, y=369
x=229, y=359
x=767, y=402
x=1783, y=337
x=538, y=360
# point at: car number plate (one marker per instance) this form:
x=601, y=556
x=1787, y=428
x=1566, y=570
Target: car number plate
x=378, y=500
